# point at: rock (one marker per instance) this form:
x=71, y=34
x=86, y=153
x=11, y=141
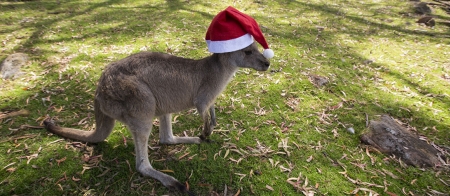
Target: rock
x=422, y=8
x=446, y=23
x=391, y=138
x=10, y=67
x=427, y=20
x=351, y=130
x=368, y=62
x=318, y=81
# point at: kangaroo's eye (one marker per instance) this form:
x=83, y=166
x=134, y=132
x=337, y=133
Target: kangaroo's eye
x=249, y=52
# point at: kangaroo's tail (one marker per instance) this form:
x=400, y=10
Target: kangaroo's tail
x=103, y=127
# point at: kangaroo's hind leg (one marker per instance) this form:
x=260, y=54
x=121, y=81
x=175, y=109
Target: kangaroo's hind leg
x=166, y=134
x=141, y=132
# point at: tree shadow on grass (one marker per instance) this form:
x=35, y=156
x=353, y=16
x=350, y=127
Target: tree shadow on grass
x=142, y=19
x=363, y=20
x=345, y=72
x=34, y=180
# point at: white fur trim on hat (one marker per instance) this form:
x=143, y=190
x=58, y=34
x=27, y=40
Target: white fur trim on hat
x=230, y=45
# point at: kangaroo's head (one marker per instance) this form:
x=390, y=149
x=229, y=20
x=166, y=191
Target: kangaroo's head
x=249, y=57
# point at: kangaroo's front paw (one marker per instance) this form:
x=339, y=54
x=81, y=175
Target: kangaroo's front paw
x=207, y=130
x=206, y=140
x=180, y=187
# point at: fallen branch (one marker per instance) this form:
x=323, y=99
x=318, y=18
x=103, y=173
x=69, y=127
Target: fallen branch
x=14, y=113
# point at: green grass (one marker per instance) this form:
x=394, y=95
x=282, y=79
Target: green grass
x=70, y=42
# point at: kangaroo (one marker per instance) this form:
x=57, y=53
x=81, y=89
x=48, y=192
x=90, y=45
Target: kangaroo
x=146, y=85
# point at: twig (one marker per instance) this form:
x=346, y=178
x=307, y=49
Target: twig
x=367, y=120
x=31, y=127
x=20, y=137
x=15, y=113
x=58, y=140
x=8, y=165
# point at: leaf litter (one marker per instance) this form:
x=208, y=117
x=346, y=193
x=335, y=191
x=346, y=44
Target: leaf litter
x=234, y=153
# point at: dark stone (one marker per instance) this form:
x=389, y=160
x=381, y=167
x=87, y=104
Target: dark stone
x=391, y=138
x=422, y=8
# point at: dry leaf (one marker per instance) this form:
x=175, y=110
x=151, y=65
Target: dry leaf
x=319, y=171
x=167, y=171
x=58, y=140
x=61, y=160
x=31, y=157
x=184, y=155
x=372, y=159
x=335, y=133
x=293, y=103
x=391, y=194
x=226, y=153
x=187, y=185
x=9, y=165
x=14, y=113
x=85, y=158
x=11, y=170
x=390, y=174
x=284, y=144
x=339, y=105
x=236, y=161
x=85, y=168
x=104, y=173
x=241, y=176
x=238, y=192
x=365, y=190
x=75, y=179
x=58, y=110
x=269, y=187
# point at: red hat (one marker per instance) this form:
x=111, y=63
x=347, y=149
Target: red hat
x=232, y=30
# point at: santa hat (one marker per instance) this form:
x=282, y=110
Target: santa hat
x=232, y=30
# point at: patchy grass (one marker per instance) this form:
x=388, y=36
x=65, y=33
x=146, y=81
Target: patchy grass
x=278, y=133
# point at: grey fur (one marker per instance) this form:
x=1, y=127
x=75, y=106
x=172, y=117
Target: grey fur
x=146, y=85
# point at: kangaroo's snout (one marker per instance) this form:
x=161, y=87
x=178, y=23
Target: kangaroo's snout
x=266, y=66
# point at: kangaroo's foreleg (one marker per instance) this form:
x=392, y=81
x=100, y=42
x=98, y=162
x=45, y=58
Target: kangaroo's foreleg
x=209, y=120
x=166, y=134
x=212, y=114
x=209, y=124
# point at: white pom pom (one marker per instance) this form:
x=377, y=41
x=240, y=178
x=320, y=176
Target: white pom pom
x=268, y=53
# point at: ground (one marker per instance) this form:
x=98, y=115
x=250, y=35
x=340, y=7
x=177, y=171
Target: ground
x=278, y=133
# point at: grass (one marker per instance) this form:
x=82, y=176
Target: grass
x=278, y=134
